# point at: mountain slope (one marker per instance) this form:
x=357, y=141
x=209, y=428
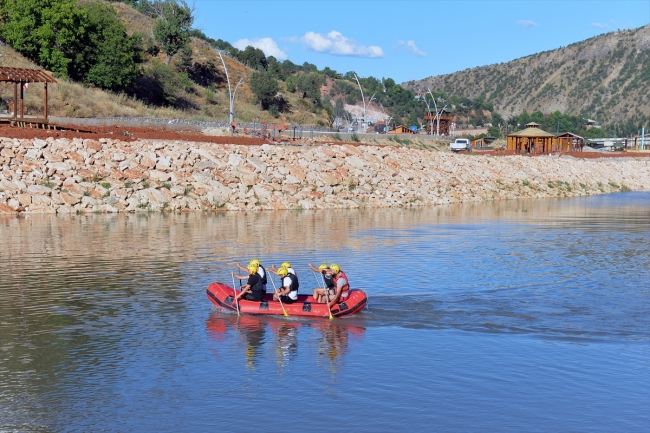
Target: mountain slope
x=606, y=78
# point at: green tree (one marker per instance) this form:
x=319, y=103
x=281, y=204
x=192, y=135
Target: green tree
x=253, y=58
x=171, y=28
x=309, y=85
x=111, y=57
x=49, y=32
x=265, y=87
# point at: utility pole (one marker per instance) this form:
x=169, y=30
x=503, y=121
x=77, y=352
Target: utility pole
x=231, y=95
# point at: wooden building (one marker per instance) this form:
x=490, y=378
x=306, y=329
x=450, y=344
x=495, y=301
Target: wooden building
x=482, y=141
x=531, y=140
x=568, y=142
x=401, y=129
x=432, y=122
x=19, y=77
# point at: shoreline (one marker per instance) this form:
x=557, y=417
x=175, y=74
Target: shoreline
x=77, y=175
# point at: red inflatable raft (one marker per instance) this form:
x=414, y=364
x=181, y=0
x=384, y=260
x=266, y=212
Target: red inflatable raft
x=222, y=296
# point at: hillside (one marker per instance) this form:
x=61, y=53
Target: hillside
x=202, y=95
x=605, y=78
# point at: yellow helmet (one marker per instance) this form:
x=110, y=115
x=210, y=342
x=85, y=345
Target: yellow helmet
x=283, y=272
x=285, y=265
x=254, y=262
x=252, y=268
x=322, y=267
x=335, y=268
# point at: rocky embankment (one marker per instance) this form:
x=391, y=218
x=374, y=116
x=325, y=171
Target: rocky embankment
x=74, y=176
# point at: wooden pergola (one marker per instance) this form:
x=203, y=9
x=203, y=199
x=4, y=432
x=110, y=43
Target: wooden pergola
x=531, y=140
x=19, y=77
x=568, y=141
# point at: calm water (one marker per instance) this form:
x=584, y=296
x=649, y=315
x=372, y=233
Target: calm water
x=516, y=316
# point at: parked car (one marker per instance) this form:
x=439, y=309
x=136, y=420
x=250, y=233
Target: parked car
x=461, y=144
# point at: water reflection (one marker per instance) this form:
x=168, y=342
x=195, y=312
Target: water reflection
x=280, y=338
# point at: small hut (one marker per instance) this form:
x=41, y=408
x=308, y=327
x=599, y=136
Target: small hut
x=567, y=142
x=482, y=141
x=401, y=129
x=531, y=140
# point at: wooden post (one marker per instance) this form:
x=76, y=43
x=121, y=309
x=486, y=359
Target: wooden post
x=15, y=100
x=45, y=100
x=22, y=101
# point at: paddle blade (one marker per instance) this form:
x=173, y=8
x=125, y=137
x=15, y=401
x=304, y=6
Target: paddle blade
x=331, y=317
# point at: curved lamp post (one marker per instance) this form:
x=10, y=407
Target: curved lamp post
x=231, y=94
x=365, y=113
x=438, y=113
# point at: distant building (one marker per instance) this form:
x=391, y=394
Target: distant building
x=592, y=124
x=530, y=140
x=380, y=127
x=401, y=129
x=568, y=142
x=432, y=122
x=482, y=141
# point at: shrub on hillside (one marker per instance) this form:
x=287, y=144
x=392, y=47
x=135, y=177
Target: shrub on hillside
x=166, y=84
x=265, y=87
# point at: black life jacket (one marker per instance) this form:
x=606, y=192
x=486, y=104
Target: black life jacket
x=264, y=281
x=258, y=287
x=294, y=283
x=329, y=281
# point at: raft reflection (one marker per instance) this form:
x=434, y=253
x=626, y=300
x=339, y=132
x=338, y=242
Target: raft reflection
x=278, y=339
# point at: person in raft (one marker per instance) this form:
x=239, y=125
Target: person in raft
x=260, y=270
x=341, y=286
x=253, y=290
x=284, y=265
x=319, y=292
x=288, y=293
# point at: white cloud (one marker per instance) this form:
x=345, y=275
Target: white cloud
x=528, y=23
x=335, y=43
x=410, y=46
x=600, y=25
x=267, y=45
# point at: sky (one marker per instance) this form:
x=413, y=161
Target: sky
x=411, y=40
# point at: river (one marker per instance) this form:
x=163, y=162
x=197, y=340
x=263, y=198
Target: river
x=500, y=316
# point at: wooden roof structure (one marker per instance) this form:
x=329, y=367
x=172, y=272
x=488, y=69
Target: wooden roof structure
x=530, y=140
x=22, y=75
x=19, y=77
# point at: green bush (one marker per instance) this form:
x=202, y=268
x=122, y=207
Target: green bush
x=168, y=83
x=265, y=87
x=354, y=137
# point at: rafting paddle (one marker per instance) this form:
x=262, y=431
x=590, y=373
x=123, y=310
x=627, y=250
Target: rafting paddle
x=281, y=304
x=235, y=291
x=327, y=291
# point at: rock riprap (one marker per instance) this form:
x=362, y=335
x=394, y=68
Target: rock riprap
x=64, y=176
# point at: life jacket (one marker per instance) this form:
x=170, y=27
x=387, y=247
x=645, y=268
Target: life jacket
x=294, y=283
x=264, y=281
x=346, y=289
x=329, y=282
x=258, y=287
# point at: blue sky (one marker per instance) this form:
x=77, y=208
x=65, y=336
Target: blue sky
x=410, y=40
